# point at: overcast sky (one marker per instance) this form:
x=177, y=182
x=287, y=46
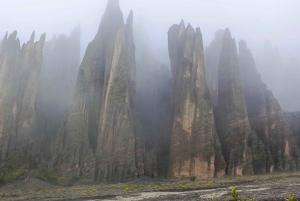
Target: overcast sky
x=252, y=20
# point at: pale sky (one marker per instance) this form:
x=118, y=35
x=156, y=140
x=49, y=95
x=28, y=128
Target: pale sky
x=252, y=20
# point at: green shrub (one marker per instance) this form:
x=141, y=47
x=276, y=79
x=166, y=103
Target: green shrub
x=291, y=198
x=234, y=194
x=193, y=179
x=47, y=174
x=15, y=174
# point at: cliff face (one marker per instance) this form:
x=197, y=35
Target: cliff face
x=265, y=116
x=19, y=71
x=233, y=125
x=153, y=104
x=212, y=57
x=293, y=119
x=195, y=149
x=102, y=124
x=57, y=83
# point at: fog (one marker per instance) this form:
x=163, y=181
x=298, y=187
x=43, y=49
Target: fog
x=254, y=21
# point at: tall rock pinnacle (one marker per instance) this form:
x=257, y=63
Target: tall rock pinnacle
x=233, y=125
x=195, y=148
x=19, y=72
x=102, y=124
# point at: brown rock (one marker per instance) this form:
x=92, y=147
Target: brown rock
x=265, y=115
x=195, y=150
x=19, y=72
x=233, y=124
x=103, y=120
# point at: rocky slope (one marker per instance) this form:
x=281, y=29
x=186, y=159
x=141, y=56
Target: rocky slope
x=19, y=72
x=101, y=139
x=195, y=149
x=233, y=126
x=265, y=116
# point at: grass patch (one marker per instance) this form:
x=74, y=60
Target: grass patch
x=46, y=174
x=13, y=175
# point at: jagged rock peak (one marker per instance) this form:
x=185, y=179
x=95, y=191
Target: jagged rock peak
x=43, y=38
x=113, y=4
x=13, y=36
x=266, y=118
x=232, y=112
x=76, y=31
x=5, y=36
x=227, y=33
x=212, y=55
x=130, y=18
x=194, y=149
x=32, y=37
x=182, y=24
x=242, y=45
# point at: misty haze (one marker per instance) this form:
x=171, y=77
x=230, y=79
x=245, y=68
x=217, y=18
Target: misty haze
x=149, y=100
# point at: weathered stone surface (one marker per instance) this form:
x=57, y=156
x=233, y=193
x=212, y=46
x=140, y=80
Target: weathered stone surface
x=293, y=119
x=19, y=71
x=212, y=57
x=195, y=150
x=153, y=105
x=57, y=84
x=120, y=150
x=254, y=91
x=265, y=115
x=233, y=124
x=101, y=134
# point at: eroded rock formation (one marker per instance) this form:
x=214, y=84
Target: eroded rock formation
x=101, y=133
x=19, y=72
x=265, y=116
x=212, y=57
x=233, y=126
x=195, y=149
x=293, y=119
x=57, y=83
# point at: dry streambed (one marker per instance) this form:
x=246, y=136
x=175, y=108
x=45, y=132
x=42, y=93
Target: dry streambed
x=275, y=191
x=266, y=187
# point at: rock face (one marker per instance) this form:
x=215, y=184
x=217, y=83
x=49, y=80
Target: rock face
x=233, y=124
x=265, y=116
x=57, y=83
x=212, y=57
x=19, y=72
x=195, y=149
x=153, y=104
x=293, y=119
x=102, y=123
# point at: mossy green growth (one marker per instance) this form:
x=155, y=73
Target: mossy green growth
x=14, y=174
x=47, y=174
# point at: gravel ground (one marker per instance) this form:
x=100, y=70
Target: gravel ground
x=266, y=187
